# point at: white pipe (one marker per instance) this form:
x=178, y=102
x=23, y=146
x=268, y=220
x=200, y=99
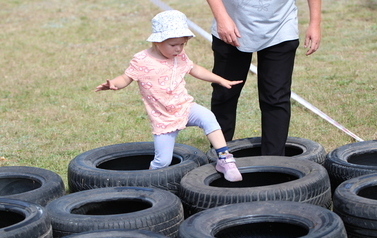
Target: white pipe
x=253, y=69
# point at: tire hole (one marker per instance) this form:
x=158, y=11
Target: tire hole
x=264, y=229
x=364, y=159
x=368, y=192
x=138, y=162
x=111, y=207
x=255, y=179
x=10, y=186
x=8, y=218
x=256, y=151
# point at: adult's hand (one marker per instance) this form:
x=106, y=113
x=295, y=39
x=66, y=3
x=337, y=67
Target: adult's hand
x=312, y=39
x=226, y=28
x=228, y=31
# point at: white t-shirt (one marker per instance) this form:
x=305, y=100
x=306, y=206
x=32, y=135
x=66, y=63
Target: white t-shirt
x=262, y=23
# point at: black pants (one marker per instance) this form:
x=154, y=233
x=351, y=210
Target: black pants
x=275, y=67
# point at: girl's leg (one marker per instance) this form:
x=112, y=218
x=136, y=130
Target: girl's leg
x=217, y=139
x=164, y=147
x=205, y=119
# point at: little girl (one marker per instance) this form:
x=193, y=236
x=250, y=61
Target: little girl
x=159, y=72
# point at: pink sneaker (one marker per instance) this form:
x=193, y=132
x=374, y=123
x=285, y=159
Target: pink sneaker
x=228, y=167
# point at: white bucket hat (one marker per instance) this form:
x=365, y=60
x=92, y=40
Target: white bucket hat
x=169, y=24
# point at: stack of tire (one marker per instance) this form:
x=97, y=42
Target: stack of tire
x=112, y=184
x=24, y=193
x=278, y=197
x=353, y=173
x=112, y=189
x=114, y=194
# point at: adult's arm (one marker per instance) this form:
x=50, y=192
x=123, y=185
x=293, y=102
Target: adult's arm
x=226, y=28
x=313, y=33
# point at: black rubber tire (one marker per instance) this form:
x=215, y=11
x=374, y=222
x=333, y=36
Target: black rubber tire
x=295, y=147
x=117, y=233
x=355, y=201
x=351, y=161
x=264, y=219
x=127, y=165
x=20, y=219
x=265, y=178
x=140, y=208
x=31, y=184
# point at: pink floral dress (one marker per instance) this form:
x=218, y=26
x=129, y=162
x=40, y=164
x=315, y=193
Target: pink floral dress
x=162, y=87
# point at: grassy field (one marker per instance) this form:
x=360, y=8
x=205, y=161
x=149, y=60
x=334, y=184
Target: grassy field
x=54, y=53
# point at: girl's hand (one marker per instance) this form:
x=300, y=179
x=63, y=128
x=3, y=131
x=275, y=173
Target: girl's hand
x=106, y=86
x=228, y=84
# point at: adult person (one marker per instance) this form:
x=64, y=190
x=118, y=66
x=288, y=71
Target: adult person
x=270, y=28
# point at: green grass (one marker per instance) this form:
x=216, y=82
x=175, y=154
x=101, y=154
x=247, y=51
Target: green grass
x=54, y=53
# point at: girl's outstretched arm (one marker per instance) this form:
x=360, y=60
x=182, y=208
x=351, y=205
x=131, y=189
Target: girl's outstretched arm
x=117, y=83
x=204, y=74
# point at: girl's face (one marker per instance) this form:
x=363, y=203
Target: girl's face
x=171, y=47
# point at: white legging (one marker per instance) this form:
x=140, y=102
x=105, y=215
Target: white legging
x=164, y=143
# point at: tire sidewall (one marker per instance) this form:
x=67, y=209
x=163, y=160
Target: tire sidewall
x=340, y=169
x=85, y=166
x=312, y=179
x=35, y=224
x=346, y=199
x=309, y=150
x=52, y=185
x=320, y=222
x=117, y=233
x=164, y=205
x=342, y=154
